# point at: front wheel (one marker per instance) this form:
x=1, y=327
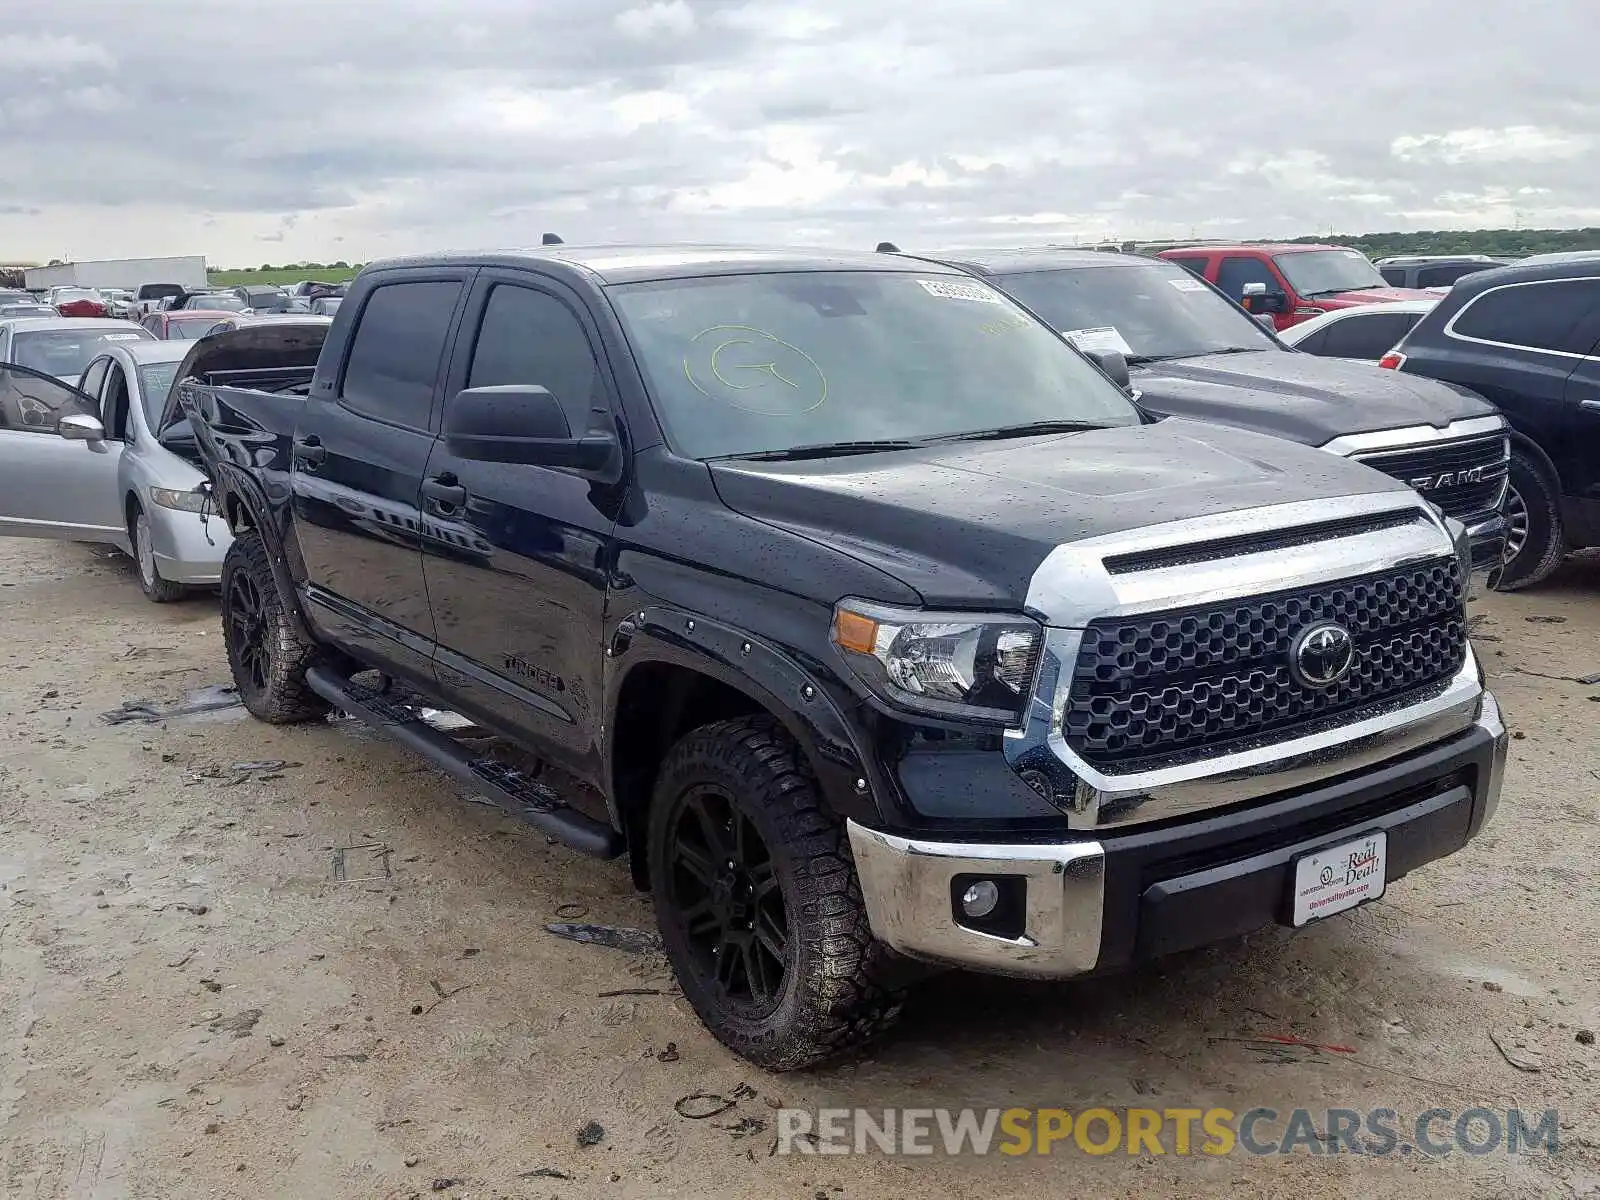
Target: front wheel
x=1535, y=542
x=758, y=902
x=161, y=591
x=266, y=653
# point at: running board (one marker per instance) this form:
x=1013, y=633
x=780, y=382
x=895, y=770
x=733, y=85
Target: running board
x=513, y=791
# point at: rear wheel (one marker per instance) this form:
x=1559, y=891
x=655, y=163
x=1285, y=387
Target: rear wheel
x=266, y=653
x=1535, y=543
x=758, y=902
x=162, y=591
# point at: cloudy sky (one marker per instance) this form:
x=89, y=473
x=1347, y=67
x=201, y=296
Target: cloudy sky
x=350, y=129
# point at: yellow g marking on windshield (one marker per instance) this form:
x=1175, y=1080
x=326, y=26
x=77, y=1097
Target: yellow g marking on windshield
x=754, y=371
x=771, y=368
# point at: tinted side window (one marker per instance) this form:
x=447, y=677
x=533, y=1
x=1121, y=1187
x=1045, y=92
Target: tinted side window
x=531, y=337
x=1393, y=276
x=1196, y=266
x=1541, y=316
x=1367, y=335
x=394, y=357
x=1312, y=343
x=1445, y=274
x=1236, y=272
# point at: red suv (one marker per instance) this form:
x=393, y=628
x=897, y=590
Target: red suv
x=1291, y=281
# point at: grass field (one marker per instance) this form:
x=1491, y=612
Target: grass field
x=235, y=278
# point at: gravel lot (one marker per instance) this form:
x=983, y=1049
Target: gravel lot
x=193, y=1004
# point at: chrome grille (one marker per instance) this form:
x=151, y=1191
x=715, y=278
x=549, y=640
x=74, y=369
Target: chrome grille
x=1463, y=477
x=1163, y=686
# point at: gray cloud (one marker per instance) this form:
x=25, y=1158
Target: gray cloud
x=339, y=129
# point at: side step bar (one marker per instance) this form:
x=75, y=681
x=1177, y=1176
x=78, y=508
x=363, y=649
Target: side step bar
x=509, y=789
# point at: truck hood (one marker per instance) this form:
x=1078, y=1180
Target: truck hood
x=967, y=524
x=1377, y=295
x=1301, y=397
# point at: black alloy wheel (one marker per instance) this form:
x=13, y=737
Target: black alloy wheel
x=724, y=885
x=247, y=630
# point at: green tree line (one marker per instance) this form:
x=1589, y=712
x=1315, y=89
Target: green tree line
x=1511, y=243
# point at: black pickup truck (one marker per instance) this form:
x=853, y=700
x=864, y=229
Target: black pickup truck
x=1194, y=353
x=861, y=611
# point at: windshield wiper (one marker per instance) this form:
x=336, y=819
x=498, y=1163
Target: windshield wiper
x=1029, y=429
x=827, y=450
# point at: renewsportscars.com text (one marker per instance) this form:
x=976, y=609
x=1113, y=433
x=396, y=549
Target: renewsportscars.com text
x=1378, y=1132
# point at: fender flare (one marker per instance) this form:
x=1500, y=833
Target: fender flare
x=232, y=482
x=769, y=676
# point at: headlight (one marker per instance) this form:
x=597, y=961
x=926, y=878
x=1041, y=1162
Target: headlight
x=1462, y=543
x=960, y=665
x=194, y=501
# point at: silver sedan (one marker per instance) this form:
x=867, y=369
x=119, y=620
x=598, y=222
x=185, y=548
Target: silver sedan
x=94, y=472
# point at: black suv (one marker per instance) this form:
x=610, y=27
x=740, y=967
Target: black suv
x=878, y=623
x=1194, y=353
x=1527, y=337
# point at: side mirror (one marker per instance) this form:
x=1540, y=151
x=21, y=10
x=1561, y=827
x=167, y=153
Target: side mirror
x=523, y=423
x=1266, y=321
x=1256, y=300
x=81, y=427
x=1114, y=365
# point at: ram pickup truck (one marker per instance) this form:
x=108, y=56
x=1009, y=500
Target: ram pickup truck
x=1187, y=351
x=861, y=611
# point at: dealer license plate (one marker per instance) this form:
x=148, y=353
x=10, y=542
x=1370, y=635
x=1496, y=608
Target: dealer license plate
x=1339, y=877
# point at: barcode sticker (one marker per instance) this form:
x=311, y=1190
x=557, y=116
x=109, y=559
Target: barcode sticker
x=1187, y=285
x=959, y=289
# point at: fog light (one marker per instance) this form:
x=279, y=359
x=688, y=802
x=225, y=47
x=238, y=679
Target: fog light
x=980, y=899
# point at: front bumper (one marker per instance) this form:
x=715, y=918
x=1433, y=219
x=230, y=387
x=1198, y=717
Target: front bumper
x=187, y=549
x=1487, y=536
x=1091, y=904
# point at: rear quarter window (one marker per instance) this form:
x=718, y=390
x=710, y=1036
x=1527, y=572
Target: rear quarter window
x=1553, y=315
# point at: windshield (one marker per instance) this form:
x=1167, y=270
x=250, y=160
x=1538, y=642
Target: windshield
x=26, y=310
x=64, y=353
x=1144, y=312
x=67, y=295
x=155, y=381
x=757, y=363
x=1323, y=272
x=154, y=291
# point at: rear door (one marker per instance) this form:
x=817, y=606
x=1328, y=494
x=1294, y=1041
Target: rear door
x=51, y=487
x=516, y=559
x=1527, y=348
x=358, y=457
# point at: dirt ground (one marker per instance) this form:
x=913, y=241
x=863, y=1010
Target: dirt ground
x=202, y=995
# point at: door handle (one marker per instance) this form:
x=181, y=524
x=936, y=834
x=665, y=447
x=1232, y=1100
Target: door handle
x=444, y=491
x=309, y=450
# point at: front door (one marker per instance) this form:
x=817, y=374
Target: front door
x=515, y=556
x=358, y=458
x=51, y=487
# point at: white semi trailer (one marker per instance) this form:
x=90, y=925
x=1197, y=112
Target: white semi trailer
x=186, y=269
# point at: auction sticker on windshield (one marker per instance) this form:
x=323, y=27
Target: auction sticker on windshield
x=1101, y=339
x=955, y=289
x=1187, y=284
x=121, y=337
x=1339, y=877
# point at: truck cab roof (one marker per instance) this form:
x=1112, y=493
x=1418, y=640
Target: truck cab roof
x=635, y=263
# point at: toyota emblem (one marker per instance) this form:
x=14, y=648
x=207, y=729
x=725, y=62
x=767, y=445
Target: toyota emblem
x=1322, y=655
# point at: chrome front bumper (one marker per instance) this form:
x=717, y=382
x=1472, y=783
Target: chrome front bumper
x=909, y=890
